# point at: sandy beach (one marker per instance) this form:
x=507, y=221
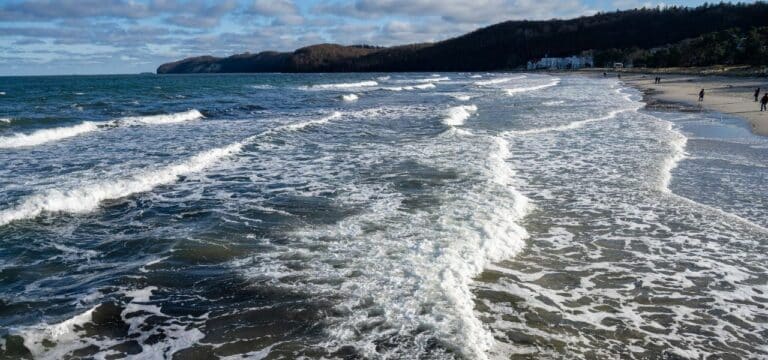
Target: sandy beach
x=728, y=95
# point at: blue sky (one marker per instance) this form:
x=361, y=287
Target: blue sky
x=40, y=37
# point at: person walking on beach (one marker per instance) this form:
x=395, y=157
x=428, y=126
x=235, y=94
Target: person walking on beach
x=701, y=95
x=757, y=94
x=764, y=103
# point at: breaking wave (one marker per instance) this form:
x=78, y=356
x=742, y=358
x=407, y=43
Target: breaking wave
x=456, y=116
x=361, y=84
x=514, y=91
x=47, y=135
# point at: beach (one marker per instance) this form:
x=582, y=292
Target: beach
x=728, y=95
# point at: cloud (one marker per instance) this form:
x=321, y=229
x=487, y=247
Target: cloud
x=40, y=10
x=456, y=11
x=283, y=12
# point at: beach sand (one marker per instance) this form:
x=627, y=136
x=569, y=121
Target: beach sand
x=728, y=95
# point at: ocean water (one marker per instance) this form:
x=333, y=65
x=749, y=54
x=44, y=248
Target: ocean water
x=375, y=216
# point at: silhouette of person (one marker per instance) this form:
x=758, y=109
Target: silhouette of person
x=764, y=103
x=701, y=95
x=757, y=94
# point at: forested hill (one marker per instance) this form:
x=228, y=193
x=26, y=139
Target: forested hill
x=506, y=45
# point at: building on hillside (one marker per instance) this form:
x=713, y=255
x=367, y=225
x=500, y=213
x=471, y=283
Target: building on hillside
x=564, y=63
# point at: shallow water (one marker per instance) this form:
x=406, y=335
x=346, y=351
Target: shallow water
x=375, y=216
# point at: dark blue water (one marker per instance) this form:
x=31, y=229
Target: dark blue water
x=375, y=216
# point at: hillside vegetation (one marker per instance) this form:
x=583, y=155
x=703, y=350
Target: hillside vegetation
x=671, y=36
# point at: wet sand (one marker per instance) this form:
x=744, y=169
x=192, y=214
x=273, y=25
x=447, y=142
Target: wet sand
x=728, y=95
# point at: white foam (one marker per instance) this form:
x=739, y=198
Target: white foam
x=677, y=143
x=456, y=116
x=47, y=135
x=514, y=91
x=575, y=124
x=163, y=119
x=262, y=87
x=383, y=78
x=360, y=84
x=410, y=88
x=6, y=120
x=461, y=97
x=2, y=93
x=476, y=76
x=349, y=97
x=553, y=103
x=303, y=125
x=498, y=80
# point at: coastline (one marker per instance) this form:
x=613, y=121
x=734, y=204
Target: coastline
x=727, y=95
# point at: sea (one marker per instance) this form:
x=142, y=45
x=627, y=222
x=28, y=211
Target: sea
x=375, y=216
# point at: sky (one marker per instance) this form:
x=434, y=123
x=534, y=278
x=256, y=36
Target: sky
x=47, y=37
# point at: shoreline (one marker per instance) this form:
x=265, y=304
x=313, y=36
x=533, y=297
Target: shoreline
x=727, y=95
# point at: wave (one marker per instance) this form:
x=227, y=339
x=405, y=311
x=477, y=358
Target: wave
x=461, y=97
x=2, y=93
x=302, y=125
x=349, y=97
x=5, y=120
x=572, y=125
x=47, y=135
x=476, y=76
x=174, y=118
x=262, y=87
x=514, y=91
x=410, y=88
x=498, y=80
x=553, y=103
x=424, y=80
x=456, y=116
x=383, y=78
x=678, y=144
x=340, y=85
x=88, y=197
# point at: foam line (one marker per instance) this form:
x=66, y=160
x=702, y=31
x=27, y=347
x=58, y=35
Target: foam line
x=340, y=85
x=498, y=80
x=514, y=91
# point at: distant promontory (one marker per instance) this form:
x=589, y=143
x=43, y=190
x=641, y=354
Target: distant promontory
x=655, y=37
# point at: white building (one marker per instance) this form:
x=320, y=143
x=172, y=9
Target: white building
x=553, y=63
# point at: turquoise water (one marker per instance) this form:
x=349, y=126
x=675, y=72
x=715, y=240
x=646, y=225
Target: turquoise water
x=375, y=216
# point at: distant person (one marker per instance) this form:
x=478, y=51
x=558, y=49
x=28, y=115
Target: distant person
x=619, y=75
x=605, y=74
x=757, y=94
x=764, y=103
x=701, y=95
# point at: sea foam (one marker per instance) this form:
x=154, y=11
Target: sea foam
x=47, y=135
x=360, y=84
x=456, y=116
x=349, y=97
x=162, y=119
x=498, y=80
x=524, y=89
